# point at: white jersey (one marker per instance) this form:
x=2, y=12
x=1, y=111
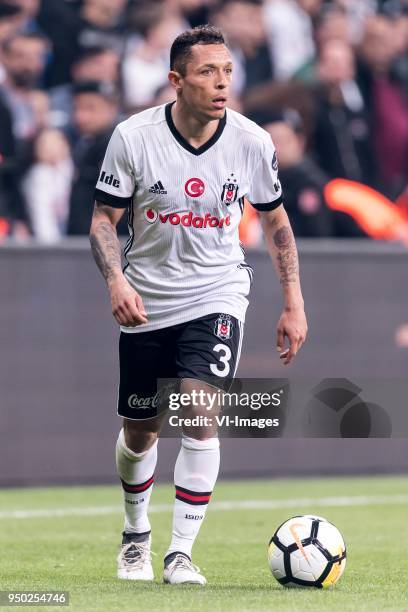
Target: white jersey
x=184, y=206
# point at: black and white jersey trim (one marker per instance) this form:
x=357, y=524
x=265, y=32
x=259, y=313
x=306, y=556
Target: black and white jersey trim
x=112, y=200
x=184, y=143
x=265, y=206
x=241, y=203
x=247, y=267
x=244, y=264
x=241, y=335
x=129, y=241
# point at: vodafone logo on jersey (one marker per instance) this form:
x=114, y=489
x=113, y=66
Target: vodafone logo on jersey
x=150, y=215
x=188, y=219
x=194, y=187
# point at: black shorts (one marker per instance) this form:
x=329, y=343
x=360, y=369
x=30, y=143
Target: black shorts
x=207, y=349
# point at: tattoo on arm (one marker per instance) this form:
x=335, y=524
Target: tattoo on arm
x=286, y=255
x=106, y=249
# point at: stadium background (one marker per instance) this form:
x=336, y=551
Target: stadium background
x=329, y=80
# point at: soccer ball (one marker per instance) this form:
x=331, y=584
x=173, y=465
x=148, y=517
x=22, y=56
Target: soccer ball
x=307, y=551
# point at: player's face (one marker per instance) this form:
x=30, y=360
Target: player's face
x=205, y=86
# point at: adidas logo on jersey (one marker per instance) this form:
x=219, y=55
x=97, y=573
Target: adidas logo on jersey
x=158, y=188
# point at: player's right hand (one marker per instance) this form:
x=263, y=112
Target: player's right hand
x=127, y=305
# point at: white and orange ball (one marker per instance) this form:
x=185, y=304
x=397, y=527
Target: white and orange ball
x=307, y=551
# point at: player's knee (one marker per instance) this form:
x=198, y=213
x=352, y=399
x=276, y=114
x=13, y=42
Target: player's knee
x=201, y=434
x=139, y=439
x=201, y=440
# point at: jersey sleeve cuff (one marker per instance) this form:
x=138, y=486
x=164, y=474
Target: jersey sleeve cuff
x=112, y=200
x=265, y=206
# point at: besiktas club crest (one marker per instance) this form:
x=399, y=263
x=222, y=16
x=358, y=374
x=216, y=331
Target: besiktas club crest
x=223, y=327
x=230, y=190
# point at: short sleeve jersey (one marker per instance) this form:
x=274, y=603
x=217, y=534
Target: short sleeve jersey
x=184, y=205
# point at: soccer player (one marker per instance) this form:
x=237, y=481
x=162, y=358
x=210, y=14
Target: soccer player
x=182, y=171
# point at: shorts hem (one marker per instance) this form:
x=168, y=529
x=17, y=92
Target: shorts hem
x=212, y=309
x=140, y=418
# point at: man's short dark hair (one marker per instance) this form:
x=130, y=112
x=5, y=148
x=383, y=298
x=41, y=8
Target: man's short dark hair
x=180, y=51
x=7, y=44
x=105, y=89
x=9, y=10
x=89, y=53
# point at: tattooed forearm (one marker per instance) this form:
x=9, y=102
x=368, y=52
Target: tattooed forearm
x=282, y=237
x=106, y=249
x=286, y=255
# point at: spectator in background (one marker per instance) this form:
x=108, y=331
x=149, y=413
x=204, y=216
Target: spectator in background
x=40, y=103
x=243, y=24
x=92, y=64
x=289, y=25
x=24, y=57
x=12, y=214
x=73, y=27
x=96, y=107
x=102, y=23
x=11, y=209
x=193, y=12
x=47, y=186
x=28, y=23
x=303, y=183
x=332, y=23
x=302, y=180
x=357, y=13
x=164, y=95
x=342, y=141
x=384, y=92
x=9, y=22
x=146, y=67
x=401, y=63
x=189, y=13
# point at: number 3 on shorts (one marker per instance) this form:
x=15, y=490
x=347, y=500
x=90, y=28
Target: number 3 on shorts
x=224, y=358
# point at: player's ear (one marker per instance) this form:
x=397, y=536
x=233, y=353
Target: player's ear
x=175, y=79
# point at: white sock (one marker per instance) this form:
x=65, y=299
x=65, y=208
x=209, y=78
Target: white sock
x=136, y=471
x=195, y=474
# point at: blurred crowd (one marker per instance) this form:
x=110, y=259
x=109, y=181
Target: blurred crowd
x=328, y=80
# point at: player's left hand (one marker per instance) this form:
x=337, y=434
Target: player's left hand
x=293, y=326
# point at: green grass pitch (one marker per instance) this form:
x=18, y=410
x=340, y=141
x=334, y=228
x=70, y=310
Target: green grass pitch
x=76, y=550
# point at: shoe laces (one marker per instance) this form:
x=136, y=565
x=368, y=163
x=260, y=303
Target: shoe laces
x=136, y=554
x=183, y=563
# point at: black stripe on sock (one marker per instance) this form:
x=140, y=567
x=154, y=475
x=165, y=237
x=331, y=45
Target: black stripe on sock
x=137, y=488
x=191, y=502
x=135, y=537
x=193, y=492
